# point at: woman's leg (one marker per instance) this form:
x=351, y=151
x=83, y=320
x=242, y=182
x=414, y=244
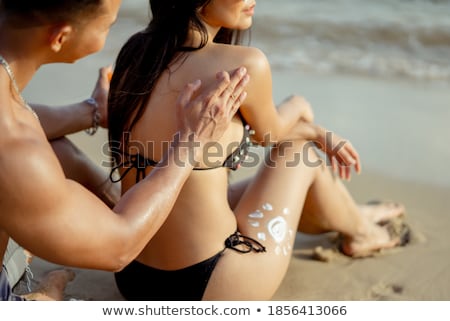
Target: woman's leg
x=270, y=210
x=78, y=167
x=375, y=211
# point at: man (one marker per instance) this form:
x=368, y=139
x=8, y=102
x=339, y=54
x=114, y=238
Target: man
x=52, y=216
x=57, y=122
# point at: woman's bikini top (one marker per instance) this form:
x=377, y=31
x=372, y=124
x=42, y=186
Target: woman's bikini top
x=140, y=163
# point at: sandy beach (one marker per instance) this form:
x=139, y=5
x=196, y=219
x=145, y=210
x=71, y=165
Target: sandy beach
x=419, y=271
x=400, y=129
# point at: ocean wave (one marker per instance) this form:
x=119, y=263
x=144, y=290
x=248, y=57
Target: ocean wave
x=419, y=51
x=364, y=63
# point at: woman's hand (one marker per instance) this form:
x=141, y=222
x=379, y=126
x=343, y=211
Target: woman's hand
x=340, y=152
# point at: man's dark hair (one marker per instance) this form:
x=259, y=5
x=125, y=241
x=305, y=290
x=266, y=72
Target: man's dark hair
x=44, y=11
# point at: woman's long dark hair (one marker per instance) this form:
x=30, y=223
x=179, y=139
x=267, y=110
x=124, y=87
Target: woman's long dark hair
x=144, y=57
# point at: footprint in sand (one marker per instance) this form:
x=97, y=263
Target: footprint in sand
x=382, y=291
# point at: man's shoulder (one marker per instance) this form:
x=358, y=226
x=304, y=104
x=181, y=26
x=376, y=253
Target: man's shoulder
x=31, y=178
x=26, y=159
x=22, y=144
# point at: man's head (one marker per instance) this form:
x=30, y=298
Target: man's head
x=74, y=28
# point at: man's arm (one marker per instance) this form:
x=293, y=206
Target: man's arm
x=59, y=121
x=60, y=221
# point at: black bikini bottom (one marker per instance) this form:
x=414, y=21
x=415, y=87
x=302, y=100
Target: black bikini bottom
x=140, y=282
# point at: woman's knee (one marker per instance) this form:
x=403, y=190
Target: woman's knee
x=295, y=153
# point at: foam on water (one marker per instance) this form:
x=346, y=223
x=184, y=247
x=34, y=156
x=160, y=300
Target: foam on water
x=384, y=37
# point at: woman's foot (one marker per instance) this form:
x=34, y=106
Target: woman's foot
x=375, y=238
x=52, y=287
x=380, y=212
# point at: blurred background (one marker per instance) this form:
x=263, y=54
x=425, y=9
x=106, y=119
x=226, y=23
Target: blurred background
x=376, y=72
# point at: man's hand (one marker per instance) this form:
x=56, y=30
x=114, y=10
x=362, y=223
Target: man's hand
x=100, y=94
x=204, y=115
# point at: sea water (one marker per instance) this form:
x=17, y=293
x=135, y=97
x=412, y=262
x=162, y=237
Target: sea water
x=406, y=38
x=385, y=75
x=376, y=71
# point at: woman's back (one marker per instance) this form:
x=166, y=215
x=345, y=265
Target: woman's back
x=201, y=218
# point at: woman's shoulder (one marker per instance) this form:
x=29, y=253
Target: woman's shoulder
x=251, y=57
x=245, y=51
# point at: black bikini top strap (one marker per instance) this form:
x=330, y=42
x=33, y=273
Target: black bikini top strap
x=136, y=161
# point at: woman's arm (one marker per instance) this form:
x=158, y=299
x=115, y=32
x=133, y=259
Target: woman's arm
x=340, y=152
x=271, y=123
x=291, y=120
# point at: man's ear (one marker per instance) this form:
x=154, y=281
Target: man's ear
x=59, y=35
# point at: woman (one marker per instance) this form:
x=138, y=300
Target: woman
x=52, y=216
x=225, y=242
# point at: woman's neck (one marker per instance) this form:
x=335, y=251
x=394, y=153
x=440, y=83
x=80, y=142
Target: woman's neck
x=196, y=38
x=212, y=32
